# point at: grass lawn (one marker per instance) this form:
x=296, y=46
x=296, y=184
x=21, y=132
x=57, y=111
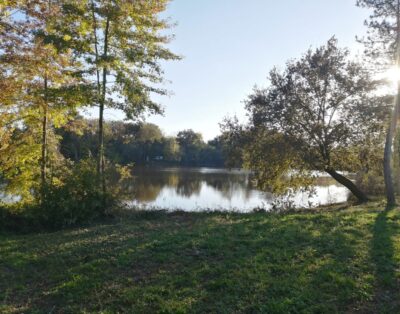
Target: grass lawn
x=328, y=261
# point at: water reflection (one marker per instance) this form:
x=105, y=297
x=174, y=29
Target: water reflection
x=195, y=189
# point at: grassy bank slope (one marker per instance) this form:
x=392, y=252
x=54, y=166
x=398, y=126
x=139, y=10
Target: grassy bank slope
x=326, y=262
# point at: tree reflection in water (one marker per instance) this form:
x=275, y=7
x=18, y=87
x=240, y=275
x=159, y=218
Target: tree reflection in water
x=147, y=183
x=203, y=188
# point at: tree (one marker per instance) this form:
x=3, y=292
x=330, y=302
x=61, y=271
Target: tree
x=191, y=144
x=123, y=47
x=78, y=139
x=39, y=65
x=383, y=44
x=147, y=135
x=211, y=154
x=139, y=143
x=315, y=115
x=171, y=150
x=234, y=138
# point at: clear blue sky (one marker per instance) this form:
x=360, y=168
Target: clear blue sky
x=230, y=45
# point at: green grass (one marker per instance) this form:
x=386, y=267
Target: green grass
x=343, y=261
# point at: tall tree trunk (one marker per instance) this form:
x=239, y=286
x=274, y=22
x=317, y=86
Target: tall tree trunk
x=362, y=198
x=391, y=133
x=43, y=166
x=387, y=157
x=101, y=161
x=99, y=92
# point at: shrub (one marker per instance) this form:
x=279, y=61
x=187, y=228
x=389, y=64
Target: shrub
x=14, y=218
x=72, y=196
x=75, y=197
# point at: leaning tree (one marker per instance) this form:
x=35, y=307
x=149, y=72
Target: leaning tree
x=318, y=114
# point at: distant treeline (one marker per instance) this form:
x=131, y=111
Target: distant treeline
x=140, y=143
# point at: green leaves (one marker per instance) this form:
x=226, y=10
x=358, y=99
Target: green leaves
x=130, y=53
x=319, y=113
x=43, y=82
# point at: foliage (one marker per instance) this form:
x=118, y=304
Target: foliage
x=278, y=164
x=50, y=51
x=370, y=159
x=140, y=143
x=234, y=138
x=191, y=144
x=19, y=162
x=126, y=41
x=72, y=196
x=75, y=198
x=319, y=114
x=42, y=90
x=383, y=46
x=122, y=43
x=381, y=42
x=171, y=150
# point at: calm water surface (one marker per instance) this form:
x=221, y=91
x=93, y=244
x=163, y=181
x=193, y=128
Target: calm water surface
x=197, y=189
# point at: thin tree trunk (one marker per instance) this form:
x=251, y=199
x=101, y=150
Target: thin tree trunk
x=101, y=109
x=101, y=92
x=391, y=133
x=101, y=162
x=387, y=157
x=362, y=198
x=43, y=166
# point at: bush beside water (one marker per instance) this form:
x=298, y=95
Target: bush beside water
x=74, y=197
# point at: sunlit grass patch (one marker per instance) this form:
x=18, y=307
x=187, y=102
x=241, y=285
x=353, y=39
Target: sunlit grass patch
x=324, y=261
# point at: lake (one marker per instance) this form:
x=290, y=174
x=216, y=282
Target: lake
x=198, y=189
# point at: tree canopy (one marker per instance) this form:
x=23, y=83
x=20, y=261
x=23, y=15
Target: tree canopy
x=320, y=113
x=140, y=143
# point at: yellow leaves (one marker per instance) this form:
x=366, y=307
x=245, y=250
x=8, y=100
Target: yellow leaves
x=84, y=27
x=67, y=37
x=59, y=118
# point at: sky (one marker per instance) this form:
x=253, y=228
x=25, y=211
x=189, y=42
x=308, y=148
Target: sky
x=229, y=46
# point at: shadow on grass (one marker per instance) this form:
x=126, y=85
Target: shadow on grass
x=214, y=263
x=387, y=292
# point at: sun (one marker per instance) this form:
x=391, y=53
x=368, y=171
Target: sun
x=393, y=75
